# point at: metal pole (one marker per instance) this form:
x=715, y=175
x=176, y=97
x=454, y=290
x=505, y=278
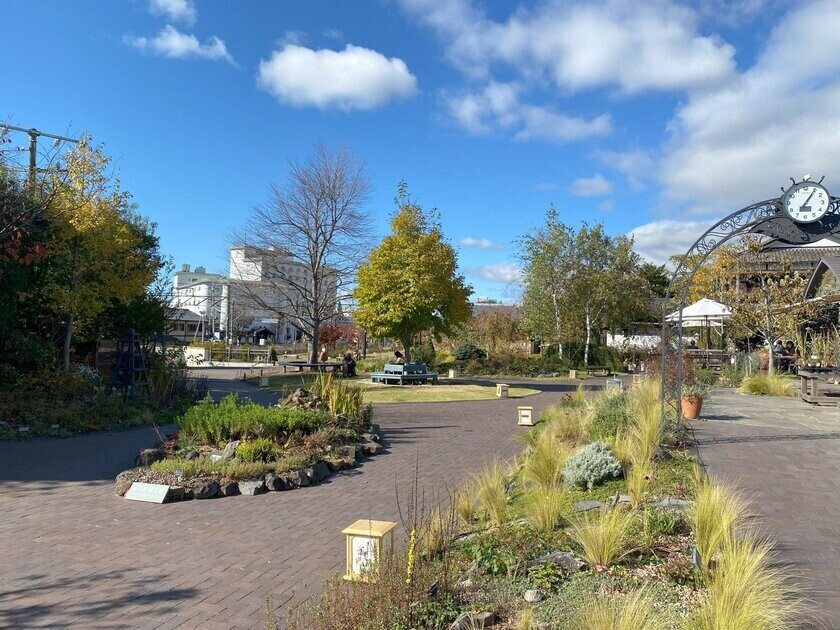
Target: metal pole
x=33, y=155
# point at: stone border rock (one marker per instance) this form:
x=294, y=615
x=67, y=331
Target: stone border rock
x=341, y=458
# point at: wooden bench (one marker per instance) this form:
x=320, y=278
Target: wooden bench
x=399, y=374
x=814, y=389
x=591, y=369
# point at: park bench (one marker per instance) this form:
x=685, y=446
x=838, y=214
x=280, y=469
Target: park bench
x=591, y=369
x=815, y=389
x=328, y=366
x=399, y=374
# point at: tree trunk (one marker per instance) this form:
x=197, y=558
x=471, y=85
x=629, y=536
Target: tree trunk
x=588, y=338
x=68, y=336
x=406, y=343
x=314, y=351
x=557, y=324
x=771, y=358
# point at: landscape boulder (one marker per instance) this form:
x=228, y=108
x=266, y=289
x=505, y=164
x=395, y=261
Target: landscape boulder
x=252, y=488
x=585, y=506
x=296, y=478
x=473, y=621
x=206, y=489
x=148, y=456
x=533, y=595
x=229, y=488
x=565, y=561
x=370, y=448
x=230, y=449
x=121, y=485
x=318, y=471
x=275, y=483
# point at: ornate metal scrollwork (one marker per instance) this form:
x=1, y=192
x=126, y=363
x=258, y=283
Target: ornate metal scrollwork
x=767, y=218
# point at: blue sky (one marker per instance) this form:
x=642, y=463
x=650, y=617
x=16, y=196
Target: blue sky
x=655, y=117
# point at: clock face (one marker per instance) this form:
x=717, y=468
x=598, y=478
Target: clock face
x=806, y=202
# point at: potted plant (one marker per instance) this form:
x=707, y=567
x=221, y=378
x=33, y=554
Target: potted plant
x=691, y=400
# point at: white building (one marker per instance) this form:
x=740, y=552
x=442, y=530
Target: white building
x=260, y=286
x=201, y=293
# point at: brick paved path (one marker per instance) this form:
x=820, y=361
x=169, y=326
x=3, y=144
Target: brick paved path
x=72, y=554
x=785, y=455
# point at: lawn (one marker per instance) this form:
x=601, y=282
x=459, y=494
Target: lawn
x=378, y=393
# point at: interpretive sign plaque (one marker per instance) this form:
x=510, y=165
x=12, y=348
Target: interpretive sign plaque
x=148, y=492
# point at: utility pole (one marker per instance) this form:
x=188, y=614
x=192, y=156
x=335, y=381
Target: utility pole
x=33, y=144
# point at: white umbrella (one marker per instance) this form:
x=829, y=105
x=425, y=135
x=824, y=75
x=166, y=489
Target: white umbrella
x=702, y=312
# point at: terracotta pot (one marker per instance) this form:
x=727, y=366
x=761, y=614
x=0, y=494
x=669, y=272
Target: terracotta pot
x=691, y=406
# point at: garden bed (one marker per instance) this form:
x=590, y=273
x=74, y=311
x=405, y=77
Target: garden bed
x=598, y=524
x=240, y=447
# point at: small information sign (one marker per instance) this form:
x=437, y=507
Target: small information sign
x=148, y=492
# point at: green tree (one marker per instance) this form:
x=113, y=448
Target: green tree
x=410, y=282
x=604, y=288
x=101, y=251
x=657, y=278
x=547, y=259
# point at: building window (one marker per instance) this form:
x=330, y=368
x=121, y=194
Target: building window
x=192, y=328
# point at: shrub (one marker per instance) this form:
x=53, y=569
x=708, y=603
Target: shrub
x=747, y=592
x=202, y=467
x=257, y=450
x=373, y=364
x=345, y=401
x=293, y=461
x=233, y=419
x=715, y=514
x=731, y=377
x=591, y=465
x=424, y=353
x=489, y=488
x=763, y=384
x=633, y=611
x=609, y=417
x=707, y=377
x=469, y=352
x=603, y=536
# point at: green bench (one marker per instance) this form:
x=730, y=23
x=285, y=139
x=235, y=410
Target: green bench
x=400, y=374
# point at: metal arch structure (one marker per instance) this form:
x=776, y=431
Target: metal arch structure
x=766, y=218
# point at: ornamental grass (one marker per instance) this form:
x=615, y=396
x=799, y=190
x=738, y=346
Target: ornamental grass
x=604, y=536
x=543, y=464
x=542, y=507
x=747, y=592
x=763, y=384
x=633, y=611
x=715, y=515
x=489, y=486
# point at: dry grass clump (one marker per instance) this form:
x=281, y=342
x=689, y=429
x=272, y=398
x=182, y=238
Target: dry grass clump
x=633, y=611
x=646, y=410
x=543, y=465
x=637, y=481
x=763, y=384
x=542, y=507
x=746, y=592
x=489, y=487
x=566, y=424
x=716, y=513
x=604, y=536
x=465, y=505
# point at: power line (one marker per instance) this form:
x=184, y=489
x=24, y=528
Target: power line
x=34, y=134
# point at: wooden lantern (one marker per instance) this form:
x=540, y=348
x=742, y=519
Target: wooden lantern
x=502, y=390
x=368, y=542
x=526, y=416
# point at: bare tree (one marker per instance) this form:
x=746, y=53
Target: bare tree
x=306, y=242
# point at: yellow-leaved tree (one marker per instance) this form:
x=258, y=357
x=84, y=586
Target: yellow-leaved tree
x=410, y=282
x=100, y=250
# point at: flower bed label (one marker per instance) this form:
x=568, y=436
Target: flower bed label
x=148, y=492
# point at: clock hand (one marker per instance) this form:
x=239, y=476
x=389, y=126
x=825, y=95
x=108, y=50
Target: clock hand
x=808, y=199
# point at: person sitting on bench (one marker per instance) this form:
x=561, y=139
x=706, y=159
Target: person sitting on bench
x=349, y=365
x=398, y=358
x=322, y=358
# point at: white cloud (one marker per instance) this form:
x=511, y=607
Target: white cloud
x=500, y=272
x=354, y=78
x=497, y=108
x=480, y=243
x=175, y=10
x=607, y=205
x=333, y=33
x=544, y=186
x=172, y=43
x=738, y=144
x=580, y=45
x=659, y=240
x=637, y=166
x=595, y=186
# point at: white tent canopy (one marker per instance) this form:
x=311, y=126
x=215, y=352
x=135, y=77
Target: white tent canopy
x=703, y=312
